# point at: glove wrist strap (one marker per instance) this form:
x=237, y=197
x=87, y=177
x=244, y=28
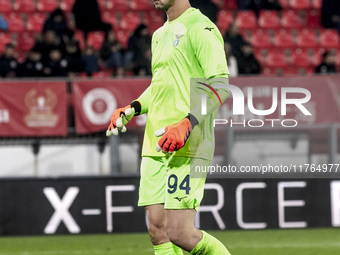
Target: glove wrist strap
x=192, y=120
x=137, y=106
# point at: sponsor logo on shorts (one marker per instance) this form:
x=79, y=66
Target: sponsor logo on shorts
x=179, y=198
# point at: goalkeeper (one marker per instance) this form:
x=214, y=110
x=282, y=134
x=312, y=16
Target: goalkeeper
x=176, y=138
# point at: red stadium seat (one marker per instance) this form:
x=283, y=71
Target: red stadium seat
x=300, y=58
x=316, y=4
x=102, y=5
x=246, y=19
x=110, y=18
x=269, y=19
x=141, y=4
x=117, y=5
x=47, y=5
x=35, y=22
x=26, y=41
x=276, y=59
x=306, y=39
x=4, y=39
x=224, y=18
x=284, y=4
x=66, y=5
x=299, y=4
x=329, y=38
x=130, y=21
x=5, y=6
x=24, y=5
x=95, y=39
x=16, y=24
x=230, y=5
x=284, y=39
x=260, y=39
x=313, y=19
x=123, y=37
x=291, y=19
x=315, y=56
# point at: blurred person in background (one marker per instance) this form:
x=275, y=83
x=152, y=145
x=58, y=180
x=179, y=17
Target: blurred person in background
x=247, y=62
x=231, y=61
x=258, y=5
x=143, y=67
x=327, y=66
x=234, y=38
x=58, y=23
x=207, y=7
x=112, y=53
x=49, y=42
x=8, y=62
x=139, y=43
x=73, y=54
x=3, y=23
x=87, y=17
x=33, y=65
x=330, y=14
x=57, y=65
x=90, y=61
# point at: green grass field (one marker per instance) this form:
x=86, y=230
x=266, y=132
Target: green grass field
x=264, y=242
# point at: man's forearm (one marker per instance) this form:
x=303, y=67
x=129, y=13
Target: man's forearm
x=144, y=101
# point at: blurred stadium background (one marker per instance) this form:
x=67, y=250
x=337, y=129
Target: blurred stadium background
x=60, y=174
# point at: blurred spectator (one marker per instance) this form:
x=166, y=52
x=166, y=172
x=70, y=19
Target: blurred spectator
x=234, y=38
x=143, y=68
x=8, y=63
x=3, y=23
x=139, y=44
x=33, y=66
x=90, y=61
x=58, y=23
x=327, y=65
x=247, y=63
x=49, y=42
x=231, y=61
x=57, y=66
x=73, y=54
x=258, y=5
x=207, y=7
x=112, y=52
x=87, y=17
x=330, y=14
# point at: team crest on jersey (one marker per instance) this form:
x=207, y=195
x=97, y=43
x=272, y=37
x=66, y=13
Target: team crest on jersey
x=177, y=37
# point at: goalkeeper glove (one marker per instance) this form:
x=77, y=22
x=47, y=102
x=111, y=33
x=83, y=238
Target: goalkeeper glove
x=121, y=117
x=175, y=136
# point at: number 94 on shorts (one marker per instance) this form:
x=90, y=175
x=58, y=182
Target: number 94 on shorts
x=167, y=180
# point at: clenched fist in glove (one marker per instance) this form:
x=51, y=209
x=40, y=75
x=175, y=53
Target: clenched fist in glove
x=175, y=136
x=121, y=117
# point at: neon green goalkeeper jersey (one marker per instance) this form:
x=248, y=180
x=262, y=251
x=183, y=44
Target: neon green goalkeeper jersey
x=190, y=46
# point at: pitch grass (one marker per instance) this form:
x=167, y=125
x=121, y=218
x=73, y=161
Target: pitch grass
x=263, y=242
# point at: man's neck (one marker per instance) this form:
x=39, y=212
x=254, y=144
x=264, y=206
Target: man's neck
x=177, y=9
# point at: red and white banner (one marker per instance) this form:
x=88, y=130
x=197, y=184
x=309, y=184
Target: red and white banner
x=33, y=109
x=95, y=101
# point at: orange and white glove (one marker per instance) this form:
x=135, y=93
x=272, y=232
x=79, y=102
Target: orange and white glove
x=121, y=117
x=175, y=136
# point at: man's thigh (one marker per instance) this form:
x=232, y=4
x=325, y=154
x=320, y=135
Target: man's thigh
x=152, y=181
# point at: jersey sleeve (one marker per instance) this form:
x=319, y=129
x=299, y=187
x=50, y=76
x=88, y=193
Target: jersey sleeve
x=208, y=46
x=144, y=100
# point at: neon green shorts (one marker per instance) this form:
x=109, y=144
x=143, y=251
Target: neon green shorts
x=166, y=180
